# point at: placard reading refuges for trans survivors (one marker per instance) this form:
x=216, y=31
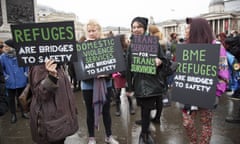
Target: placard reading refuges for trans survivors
x=196, y=76
x=99, y=57
x=144, y=50
x=37, y=42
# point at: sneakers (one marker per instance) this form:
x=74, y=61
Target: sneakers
x=111, y=140
x=92, y=140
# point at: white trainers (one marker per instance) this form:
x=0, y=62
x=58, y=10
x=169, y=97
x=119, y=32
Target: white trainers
x=91, y=140
x=111, y=140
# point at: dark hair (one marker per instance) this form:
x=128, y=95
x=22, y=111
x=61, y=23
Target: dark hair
x=142, y=20
x=222, y=39
x=200, y=31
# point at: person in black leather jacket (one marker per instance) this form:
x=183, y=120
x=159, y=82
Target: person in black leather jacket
x=146, y=87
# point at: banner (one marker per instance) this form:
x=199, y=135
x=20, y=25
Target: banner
x=144, y=50
x=36, y=42
x=197, y=74
x=98, y=57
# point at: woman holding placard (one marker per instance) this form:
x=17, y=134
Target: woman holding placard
x=147, y=87
x=199, y=31
x=96, y=93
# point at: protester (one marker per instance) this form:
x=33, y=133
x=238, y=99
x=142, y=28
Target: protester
x=53, y=112
x=96, y=93
x=147, y=88
x=199, y=31
x=16, y=78
x=119, y=79
x=233, y=45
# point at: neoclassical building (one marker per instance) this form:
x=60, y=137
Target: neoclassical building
x=223, y=15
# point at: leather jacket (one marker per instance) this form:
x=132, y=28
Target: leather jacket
x=146, y=85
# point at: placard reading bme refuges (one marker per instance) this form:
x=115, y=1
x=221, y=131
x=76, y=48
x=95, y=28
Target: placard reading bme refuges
x=196, y=76
x=99, y=57
x=144, y=50
x=36, y=42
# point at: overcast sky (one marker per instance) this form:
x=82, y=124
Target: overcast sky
x=121, y=12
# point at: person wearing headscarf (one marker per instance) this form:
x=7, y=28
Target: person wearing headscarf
x=147, y=88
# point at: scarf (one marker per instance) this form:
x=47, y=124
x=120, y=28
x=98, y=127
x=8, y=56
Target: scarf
x=99, y=98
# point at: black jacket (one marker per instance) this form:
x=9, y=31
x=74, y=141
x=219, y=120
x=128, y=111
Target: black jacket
x=146, y=85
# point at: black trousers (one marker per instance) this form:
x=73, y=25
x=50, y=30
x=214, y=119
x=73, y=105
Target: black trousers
x=88, y=98
x=13, y=94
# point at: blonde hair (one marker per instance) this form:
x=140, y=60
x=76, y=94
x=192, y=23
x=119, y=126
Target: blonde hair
x=94, y=23
x=154, y=30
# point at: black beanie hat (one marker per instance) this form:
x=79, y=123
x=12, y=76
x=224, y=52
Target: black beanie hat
x=142, y=20
x=10, y=43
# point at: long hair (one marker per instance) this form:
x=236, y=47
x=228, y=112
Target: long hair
x=200, y=31
x=222, y=37
x=154, y=30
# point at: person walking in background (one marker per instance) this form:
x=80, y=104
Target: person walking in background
x=154, y=31
x=147, y=88
x=16, y=78
x=53, y=111
x=119, y=80
x=93, y=94
x=198, y=30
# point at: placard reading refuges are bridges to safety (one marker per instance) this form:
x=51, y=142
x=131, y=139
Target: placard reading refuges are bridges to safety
x=99, y=57
x=37, y=42
x=196, y=77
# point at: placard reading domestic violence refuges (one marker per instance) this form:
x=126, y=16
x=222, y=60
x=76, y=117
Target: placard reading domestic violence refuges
x=99, y=57
x=196, y=76
x=144, y=50
x=36, y=42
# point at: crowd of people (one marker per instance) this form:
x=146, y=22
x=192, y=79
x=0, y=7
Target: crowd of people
x=53, y=109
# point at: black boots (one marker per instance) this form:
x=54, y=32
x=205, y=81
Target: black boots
x=13, y=118
x=145, y=138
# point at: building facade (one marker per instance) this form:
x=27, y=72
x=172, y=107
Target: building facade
x=223, y=16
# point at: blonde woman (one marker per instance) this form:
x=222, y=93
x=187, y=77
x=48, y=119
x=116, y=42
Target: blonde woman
x=92, y=94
